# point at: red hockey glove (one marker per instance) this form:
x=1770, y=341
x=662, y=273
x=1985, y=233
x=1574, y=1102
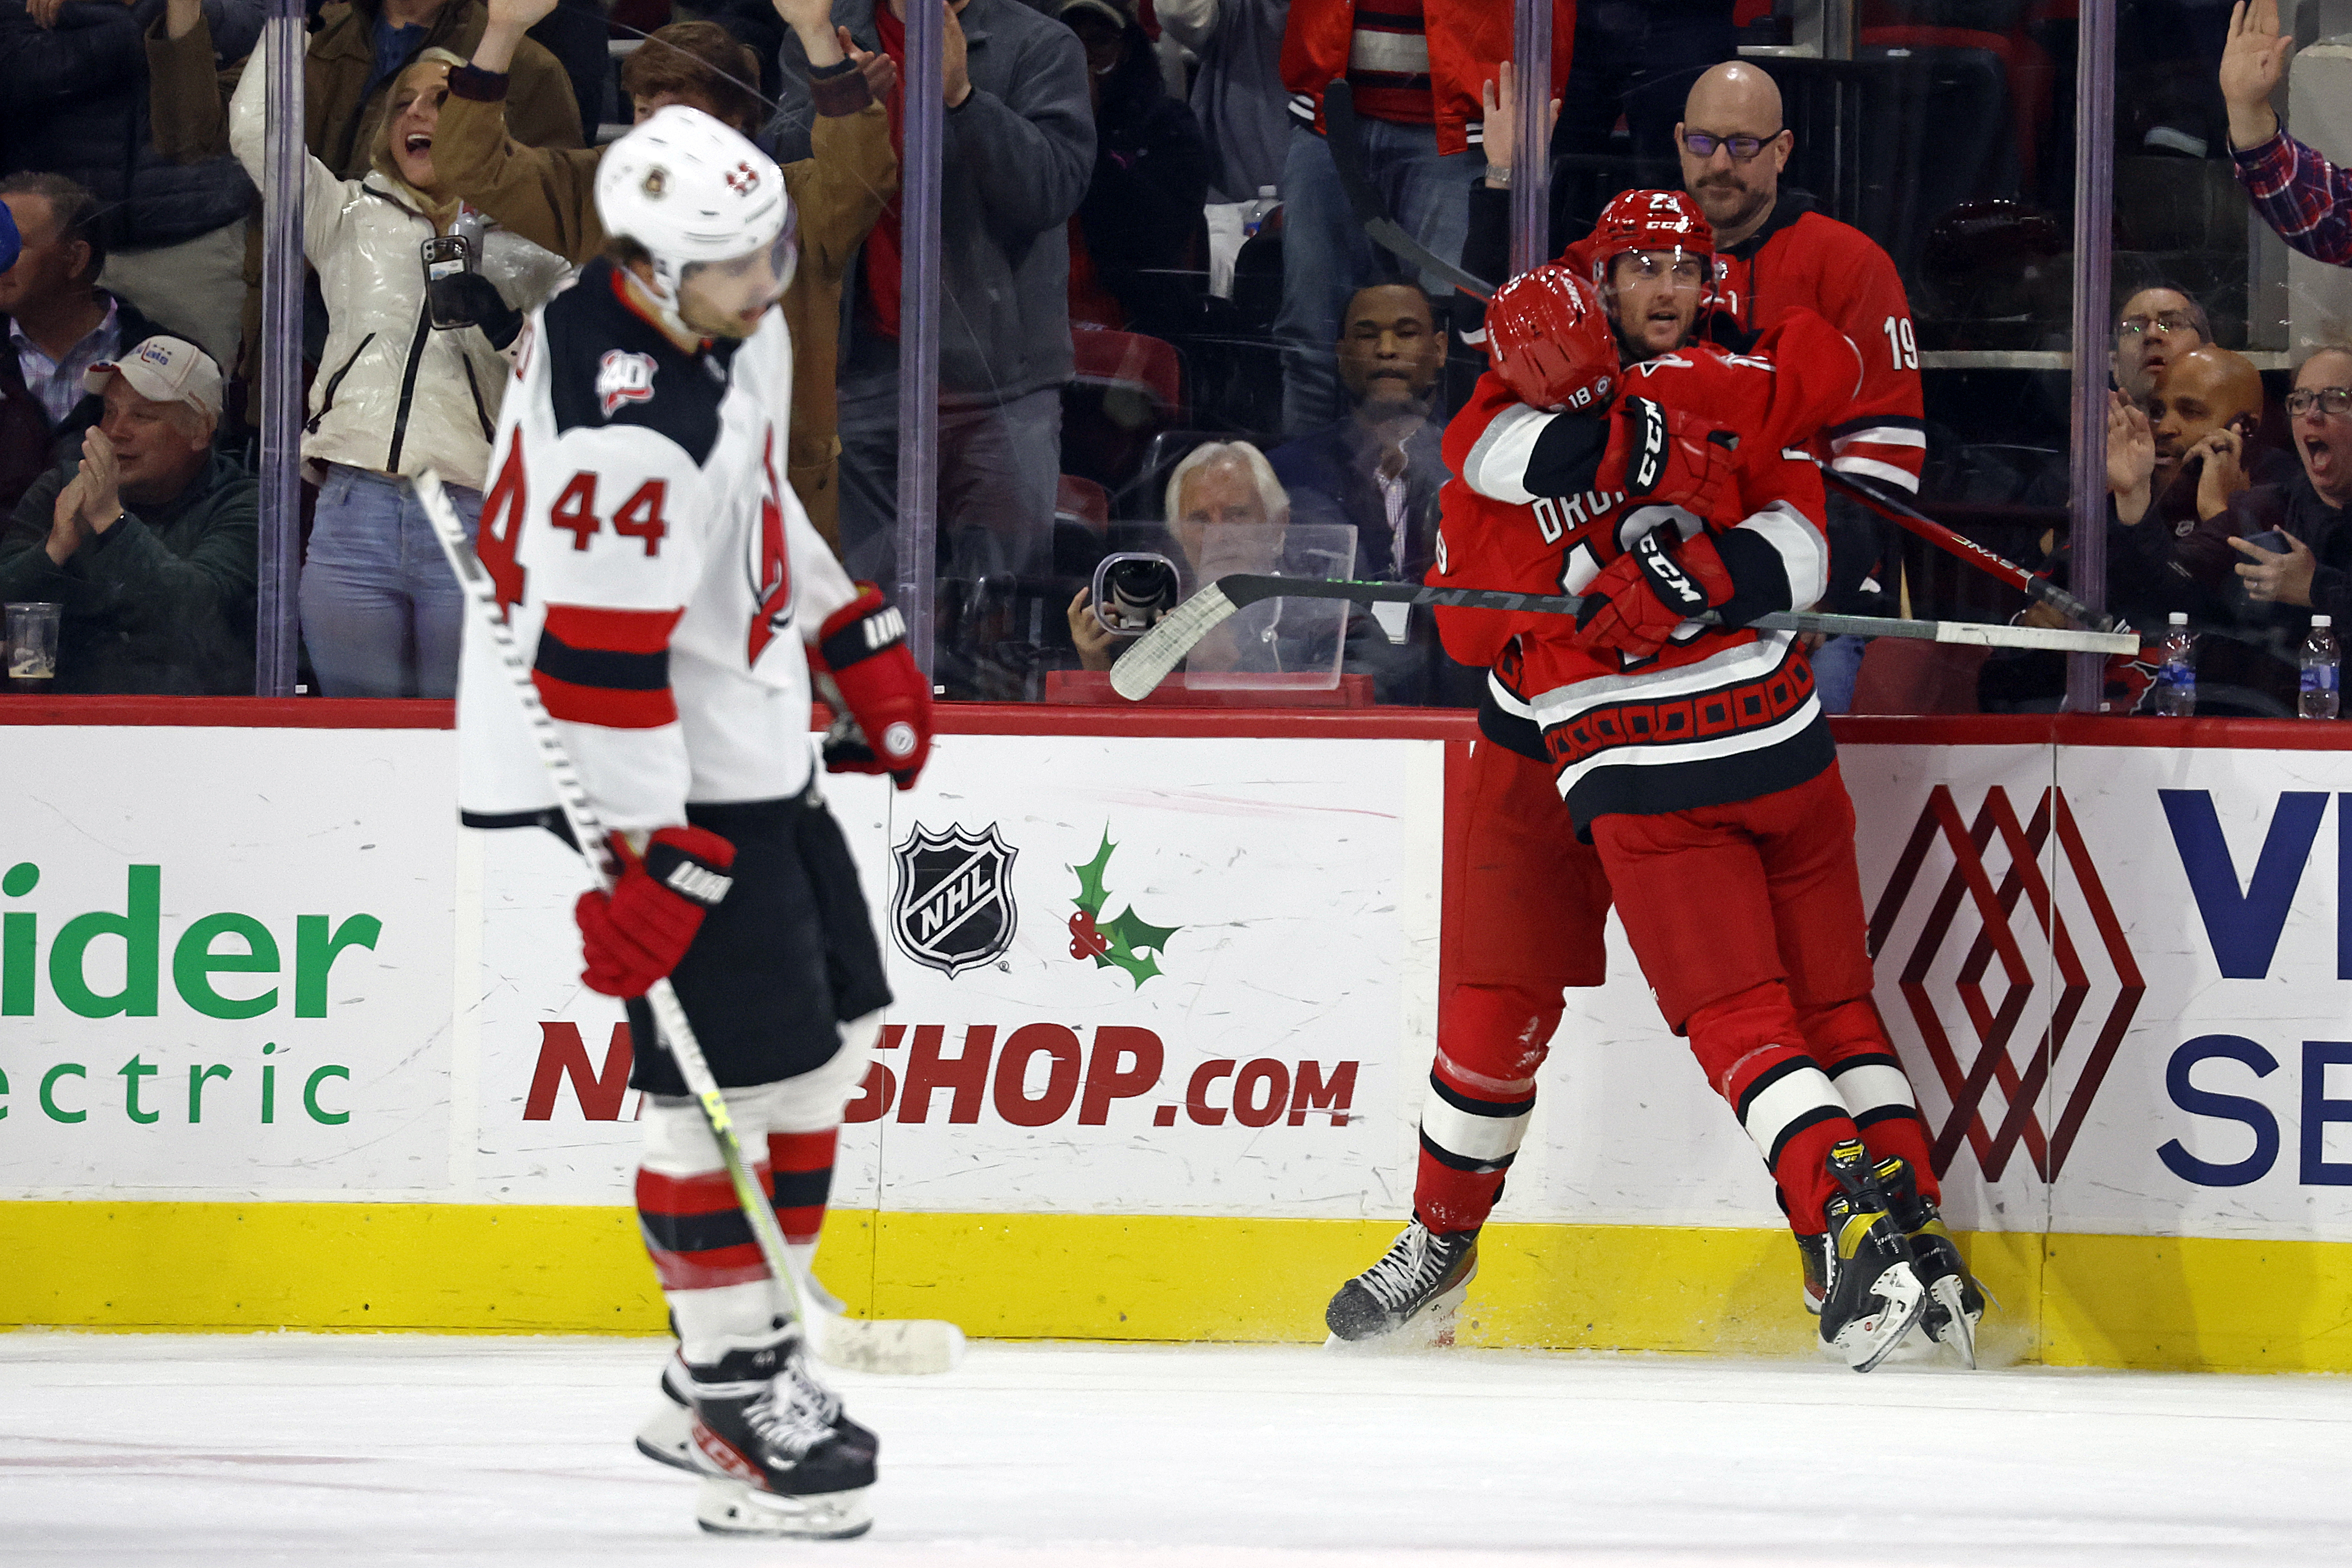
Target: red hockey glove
x=863, y=645
x=1662, y=455
x=636, y=934
x=1641, y=596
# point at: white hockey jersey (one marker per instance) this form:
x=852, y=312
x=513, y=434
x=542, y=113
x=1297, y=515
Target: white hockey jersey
x=655, y=566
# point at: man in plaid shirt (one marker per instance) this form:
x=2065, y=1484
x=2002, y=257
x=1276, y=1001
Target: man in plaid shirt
x=2305, y=197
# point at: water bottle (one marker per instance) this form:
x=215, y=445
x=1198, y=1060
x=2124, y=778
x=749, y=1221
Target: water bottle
x=2320, y=667
x=1253, y=213
x=2175, y=676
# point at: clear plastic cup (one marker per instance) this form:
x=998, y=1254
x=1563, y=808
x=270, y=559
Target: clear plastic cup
x=33, y=647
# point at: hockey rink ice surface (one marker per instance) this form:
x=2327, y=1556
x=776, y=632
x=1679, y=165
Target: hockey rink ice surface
x=350, y=1451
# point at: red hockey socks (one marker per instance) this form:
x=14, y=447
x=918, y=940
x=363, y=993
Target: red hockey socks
x=1784, y=1101
x=1482, y=1091
x=803, y=1163
x=696, y=1231
x=1849, y=1039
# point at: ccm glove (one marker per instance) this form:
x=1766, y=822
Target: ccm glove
x=1661, y=455
x=1639, y=599
x=863, y=645
x=636, y=934
x=467, y=298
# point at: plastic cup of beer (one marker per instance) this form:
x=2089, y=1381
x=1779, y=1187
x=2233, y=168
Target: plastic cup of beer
x=33, y=647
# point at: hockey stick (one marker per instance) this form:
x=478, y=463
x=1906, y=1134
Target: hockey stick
x=2035, y=586
x=1158, y=651
x=861, y=1345
x=1346, y=157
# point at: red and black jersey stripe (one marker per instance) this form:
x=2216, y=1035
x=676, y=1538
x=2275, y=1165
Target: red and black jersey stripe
x=607, y=667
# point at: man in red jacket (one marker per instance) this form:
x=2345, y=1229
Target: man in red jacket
x=1415, y=68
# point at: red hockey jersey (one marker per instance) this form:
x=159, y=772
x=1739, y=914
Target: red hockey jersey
x=1717, y=715
x=1802, y=260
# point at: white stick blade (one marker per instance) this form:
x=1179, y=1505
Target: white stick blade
x=2061, y=640
x=1141, y=668
x=898, y=1347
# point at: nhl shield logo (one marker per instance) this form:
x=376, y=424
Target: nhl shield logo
x=953, y=909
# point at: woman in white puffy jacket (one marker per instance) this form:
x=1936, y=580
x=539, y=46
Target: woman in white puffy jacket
x=395, y=395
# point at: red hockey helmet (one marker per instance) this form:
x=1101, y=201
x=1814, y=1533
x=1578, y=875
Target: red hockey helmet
x=1649, y=220
x=1550, y=340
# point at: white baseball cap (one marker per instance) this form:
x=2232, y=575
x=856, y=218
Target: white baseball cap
x=163, y=369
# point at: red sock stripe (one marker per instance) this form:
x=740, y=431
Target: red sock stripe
x=705, y=1192
x=803, y=1151
x=709, y=1270
x=803, y=1165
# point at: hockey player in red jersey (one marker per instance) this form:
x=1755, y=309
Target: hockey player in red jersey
x=1521, y=515
x=675, y=600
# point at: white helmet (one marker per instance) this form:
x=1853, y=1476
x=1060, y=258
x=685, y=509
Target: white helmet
x=691, y=189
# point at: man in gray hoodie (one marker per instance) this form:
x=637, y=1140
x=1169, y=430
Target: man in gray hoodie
x=1020, y=150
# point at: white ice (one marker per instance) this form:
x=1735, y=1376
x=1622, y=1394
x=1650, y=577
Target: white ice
x=355, y=1451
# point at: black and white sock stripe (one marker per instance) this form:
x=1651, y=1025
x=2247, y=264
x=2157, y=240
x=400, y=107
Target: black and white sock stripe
x=1873, y=1088
x=1784, y=1101
x=1472, y=1135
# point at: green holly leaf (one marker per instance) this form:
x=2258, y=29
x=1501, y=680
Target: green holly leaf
x=1139, y=969
x=1131, y=930
x=1091, y=892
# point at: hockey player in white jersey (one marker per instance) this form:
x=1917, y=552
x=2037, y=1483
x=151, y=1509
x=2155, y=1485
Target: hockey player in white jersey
x=674, y=599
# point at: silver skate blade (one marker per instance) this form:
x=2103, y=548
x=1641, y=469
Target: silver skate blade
x=667, y=1438
x=1431, y=1328
x=1868, y=1339
x=1955, y=1331
x=899, y=1347
x=727, y=1507
x=1141, y=668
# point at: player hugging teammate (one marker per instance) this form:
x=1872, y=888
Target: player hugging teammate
x=1607, y=454
x=674, y=599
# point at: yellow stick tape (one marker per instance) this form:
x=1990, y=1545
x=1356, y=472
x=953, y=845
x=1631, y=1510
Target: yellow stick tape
x=2075, y=1301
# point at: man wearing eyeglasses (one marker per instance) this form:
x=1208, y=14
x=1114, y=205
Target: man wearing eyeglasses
x=2156, y=327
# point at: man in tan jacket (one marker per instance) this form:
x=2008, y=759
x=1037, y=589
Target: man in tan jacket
x=347, y=75
x=548, y=195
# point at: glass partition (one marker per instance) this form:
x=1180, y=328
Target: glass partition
x=1157, y=278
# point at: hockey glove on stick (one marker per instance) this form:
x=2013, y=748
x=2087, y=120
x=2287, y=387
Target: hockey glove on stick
x=636, y=934
x=1641, y=596
x=863, y=645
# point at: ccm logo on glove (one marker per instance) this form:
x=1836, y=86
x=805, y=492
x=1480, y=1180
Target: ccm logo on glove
x=1673, y=586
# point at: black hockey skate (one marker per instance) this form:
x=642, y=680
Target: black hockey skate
x=1956, y=1302
x=1874, y=1296
x=779, y=1456
x=1420, y=1269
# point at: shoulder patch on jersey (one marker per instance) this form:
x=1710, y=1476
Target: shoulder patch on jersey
x=622, y=377
x=608, y=366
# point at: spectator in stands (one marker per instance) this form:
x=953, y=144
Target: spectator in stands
x=60, y=323
x=1416, y=73
x=1228, y=512
x=1019, y=149
x=2155, y=327
x=2305, y=197
x=1379, y=467
x=353, y=57
x=2315, y=571
x=1636, y=60
x=1238, y=94
x=548, y=195
x=147, y=538
x=381, y=614
x=74, y=77
x=1140, y=222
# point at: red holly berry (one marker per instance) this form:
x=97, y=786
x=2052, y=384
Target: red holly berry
x=1086, y=942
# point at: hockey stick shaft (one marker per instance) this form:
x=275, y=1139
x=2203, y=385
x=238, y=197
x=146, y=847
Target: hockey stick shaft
x=1158, y=651
x=670, y=1021
x=2034, y=585
x=1347, y=158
